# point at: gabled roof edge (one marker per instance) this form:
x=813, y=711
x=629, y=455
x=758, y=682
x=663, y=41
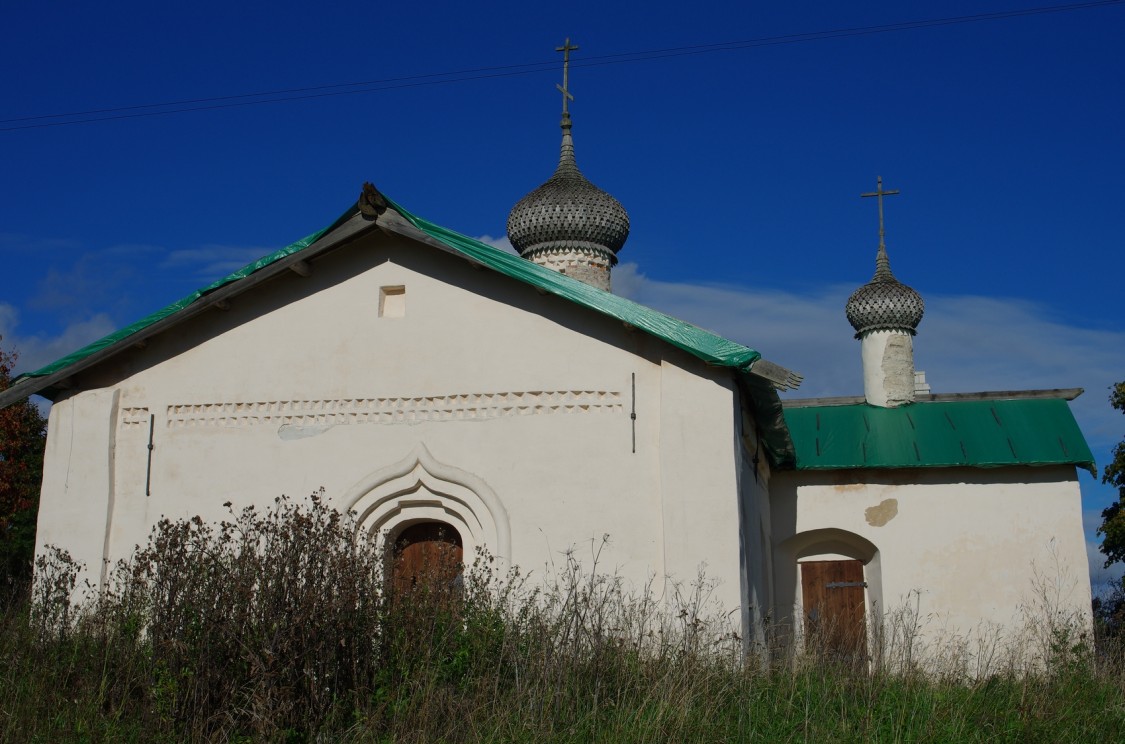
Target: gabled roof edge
x=46, y=379
x=761, y=376
x=709, y=347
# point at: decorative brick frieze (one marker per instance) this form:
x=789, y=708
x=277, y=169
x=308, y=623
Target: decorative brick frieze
x=591, y=267
x=392, y=410
x=134, y=418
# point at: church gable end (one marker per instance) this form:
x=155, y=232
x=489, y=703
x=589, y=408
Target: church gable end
x=562, y=421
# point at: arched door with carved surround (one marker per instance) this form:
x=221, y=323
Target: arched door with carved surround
x=427, y=554
x=420, y=489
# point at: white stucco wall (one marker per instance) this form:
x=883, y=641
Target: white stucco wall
x=506, y=409
x=973, y=550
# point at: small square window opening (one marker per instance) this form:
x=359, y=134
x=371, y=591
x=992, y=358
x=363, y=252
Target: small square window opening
x=392, y=302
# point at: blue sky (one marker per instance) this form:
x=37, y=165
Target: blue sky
x=741, y=167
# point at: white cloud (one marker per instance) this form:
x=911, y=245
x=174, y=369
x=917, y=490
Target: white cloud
x=212, y=261
x=965, y=343
x=982, y=343
x=502, y=243
x=807, y=334
x=93, y=282
x=9, y=317
x=40, y=349
x=17, y=243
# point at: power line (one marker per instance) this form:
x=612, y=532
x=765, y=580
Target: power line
x=283, y=95
x=431, y=77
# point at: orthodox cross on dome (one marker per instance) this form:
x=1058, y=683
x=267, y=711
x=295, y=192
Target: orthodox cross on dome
x=881, y=262
x=566, y=49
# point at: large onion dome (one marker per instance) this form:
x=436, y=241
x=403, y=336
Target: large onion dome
x=884, y=303
x=568, y=213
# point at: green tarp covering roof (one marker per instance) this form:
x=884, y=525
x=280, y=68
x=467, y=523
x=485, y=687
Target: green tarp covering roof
x=120, y=335
x=707, y=346
x=976, y=433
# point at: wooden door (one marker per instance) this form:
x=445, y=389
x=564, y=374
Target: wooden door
x=428, y=554
x=834, y=607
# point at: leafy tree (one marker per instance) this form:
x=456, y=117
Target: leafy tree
x=1109, y=612
x=1113, y=517
x=23, y=435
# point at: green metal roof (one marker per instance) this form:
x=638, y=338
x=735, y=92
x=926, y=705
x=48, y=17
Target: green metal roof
x=709, y=347
x=974, y=433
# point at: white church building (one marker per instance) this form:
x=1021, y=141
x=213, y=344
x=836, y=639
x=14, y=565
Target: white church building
x=427, y=380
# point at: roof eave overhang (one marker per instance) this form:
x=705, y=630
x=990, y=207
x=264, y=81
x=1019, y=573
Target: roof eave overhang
x=852, y=400
x=1087, y=465
x=766, y=405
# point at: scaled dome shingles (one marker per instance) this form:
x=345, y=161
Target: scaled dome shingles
x=568, y=212
x=884, y=303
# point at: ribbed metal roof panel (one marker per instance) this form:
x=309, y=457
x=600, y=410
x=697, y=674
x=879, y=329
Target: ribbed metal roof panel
x=977, y=433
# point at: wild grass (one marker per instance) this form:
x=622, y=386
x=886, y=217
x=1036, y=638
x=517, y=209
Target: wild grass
x=280, y=626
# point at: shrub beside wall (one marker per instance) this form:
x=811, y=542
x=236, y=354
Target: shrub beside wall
x=279, y=625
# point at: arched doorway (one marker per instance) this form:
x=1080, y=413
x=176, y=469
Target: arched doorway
x=831, y=577
x=418, y=489
x=427, y=554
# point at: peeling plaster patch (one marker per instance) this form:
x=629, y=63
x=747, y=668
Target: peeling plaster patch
x=289, y=432
x=877, y=516
x=898, y=370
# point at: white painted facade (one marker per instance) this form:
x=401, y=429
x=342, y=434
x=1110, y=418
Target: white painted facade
x=472, y=399
x=972, y=552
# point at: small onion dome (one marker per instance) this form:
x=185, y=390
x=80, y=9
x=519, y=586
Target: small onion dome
x=884, y=303
x=568, y=212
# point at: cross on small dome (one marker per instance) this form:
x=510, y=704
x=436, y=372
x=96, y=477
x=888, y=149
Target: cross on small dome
x=568, y=212
x=884, y=303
